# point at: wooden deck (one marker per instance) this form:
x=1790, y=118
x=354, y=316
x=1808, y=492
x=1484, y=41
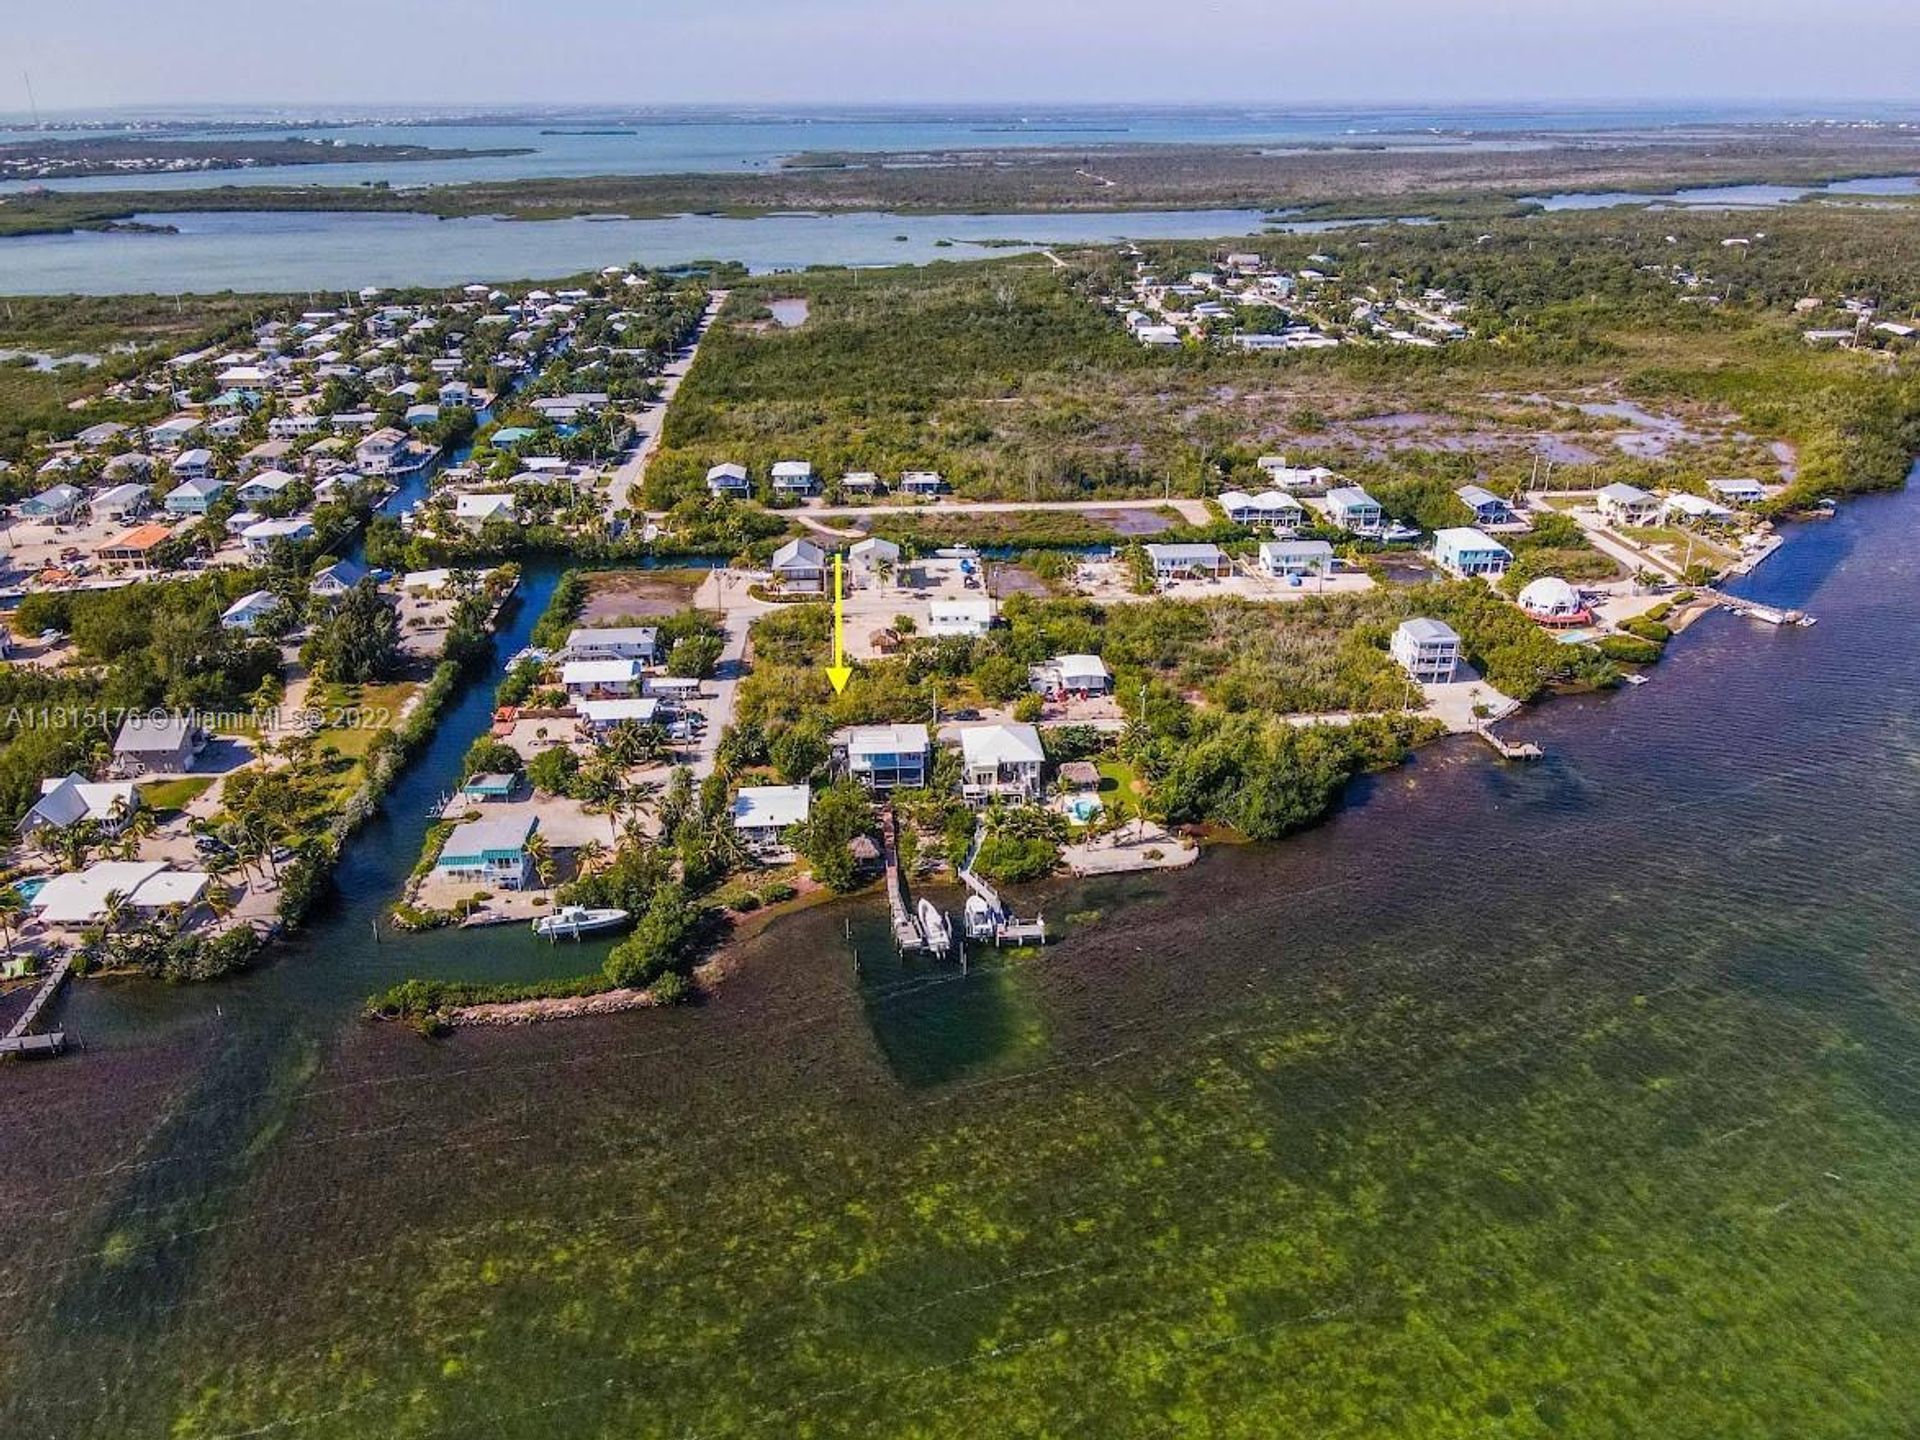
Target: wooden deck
x=21, y=1039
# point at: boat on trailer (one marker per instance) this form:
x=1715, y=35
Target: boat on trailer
x=570, y=922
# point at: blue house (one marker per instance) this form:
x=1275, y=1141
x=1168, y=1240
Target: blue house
x=1462, y=550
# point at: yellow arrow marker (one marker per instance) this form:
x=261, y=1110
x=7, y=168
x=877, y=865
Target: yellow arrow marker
x=838, y=672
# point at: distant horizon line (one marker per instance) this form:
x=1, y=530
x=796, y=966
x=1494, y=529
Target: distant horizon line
x=1773, y=104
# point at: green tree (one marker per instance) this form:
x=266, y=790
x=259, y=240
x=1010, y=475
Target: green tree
x=359, y=641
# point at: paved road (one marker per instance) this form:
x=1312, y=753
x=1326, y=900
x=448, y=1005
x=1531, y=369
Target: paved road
x=647, y=420
x=1195, y=511
x=726, y=592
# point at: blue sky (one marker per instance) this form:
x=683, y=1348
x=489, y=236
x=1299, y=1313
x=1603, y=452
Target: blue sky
x=84, y=53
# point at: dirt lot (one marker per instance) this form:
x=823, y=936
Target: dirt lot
x=617, y=594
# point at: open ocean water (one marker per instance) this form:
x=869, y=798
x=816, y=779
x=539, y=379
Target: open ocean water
x=1577, y=1099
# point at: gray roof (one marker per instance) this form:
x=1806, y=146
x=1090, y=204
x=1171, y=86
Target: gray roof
x=1429, y=631
x=145, y=734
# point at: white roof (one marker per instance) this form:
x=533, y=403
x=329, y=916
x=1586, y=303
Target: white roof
x=874, y=547
x=1458, y=538
x=1200, y=553
x=792, y=469
x=1080, y=665
x=143, y=734
x=1428, y=631
x=1296, y=550
x=765, y=807
x=1736, y=487
x=80, y=897
x=886, y=739
x=1694, y=505
x=292, y=528
x=799, y=552
x=426, y=580
x=1549, y=595
x=593, y=637
x=1478, y=496
x=599, y=672
x=273, y=480
x=68, y=799
x=1345, y=496
x=985, y=745
x=637, y=708
x=1626, y=494
x=971, y=611
x=120, y=497
x=482, y=507
x=727, y=471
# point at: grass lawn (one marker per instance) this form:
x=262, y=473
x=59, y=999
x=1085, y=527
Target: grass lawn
x=1117, y=778
x=163, y=795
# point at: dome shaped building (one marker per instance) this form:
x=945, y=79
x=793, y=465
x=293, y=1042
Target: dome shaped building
x=1552, y=601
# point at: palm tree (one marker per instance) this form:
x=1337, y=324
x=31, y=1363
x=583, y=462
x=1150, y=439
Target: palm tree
x=541, y=854
x=588, y=854
x=12, y=905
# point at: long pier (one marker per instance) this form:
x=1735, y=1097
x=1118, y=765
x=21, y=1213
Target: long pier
x=21, y=1039
x=998, y=923
x=907, y=934
x=1766, y=614
x=1509, y=749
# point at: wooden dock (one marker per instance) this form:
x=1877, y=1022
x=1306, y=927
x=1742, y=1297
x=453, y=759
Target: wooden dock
x=1001, y=927
x=1509, y=749
x=21, y=1039
x=1766, y=614
x=907, y=934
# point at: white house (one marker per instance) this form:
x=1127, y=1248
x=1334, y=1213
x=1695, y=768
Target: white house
x=1627, y=505
x=886, y=757
x=1269, y=510
x=614, y=642
x=1287, y=559
x=490, y=852
x=867, y=557
x=250, y=610
x=120, y=502
x=70, y=799
x=1429, y=650
x=192, y=497
x=1462, y=550
x=600, y=716
x=762, y=815
x=336, y=579
x=1487, y=507
x=474, y=511
x=793, y=477
x=600, y=679
x=1072, y=675
x=1738, y=492
x=195, y=464
x=173, y=433
x=267, y=485
x=922, y=482
x=260, y=536
x=971, y=618
x=1173, y=562
x=1002, y=761
x=1353, y=510
x=729, y=479
x=376, y=454
x=1694, y=507
x=1291, y=477
x=1553, y=602
x=84, y=897
x=799, y=567
x=860, y=482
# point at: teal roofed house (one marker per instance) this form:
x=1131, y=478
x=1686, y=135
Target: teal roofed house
x=490, y=852
x=491, y=787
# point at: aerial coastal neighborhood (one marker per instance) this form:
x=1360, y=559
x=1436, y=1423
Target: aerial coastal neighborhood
x=319, y=524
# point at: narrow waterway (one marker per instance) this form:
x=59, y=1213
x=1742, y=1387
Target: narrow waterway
x=1574, y=1098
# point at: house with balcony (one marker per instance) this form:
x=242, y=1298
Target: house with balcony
x=1295, y=559
x=1620, y=504
x=192, y=497
x=601, y=679
x=764, y=814
x=1428, y=650
x=885, y=757
x=637, y=643
x=799, y=567
x=730, y=480
x=794, y=479
x=1462, y=550
x=490, y=852
x=1000, y=762
x=1487, y=507
x=1353, y=510
x=1186, y=562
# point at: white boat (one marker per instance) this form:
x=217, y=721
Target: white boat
x=935, y=927
x=981, y=919
x=573, y=921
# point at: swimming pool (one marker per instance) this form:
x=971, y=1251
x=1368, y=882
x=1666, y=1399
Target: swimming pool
x=31, y=886
x=1082, y=808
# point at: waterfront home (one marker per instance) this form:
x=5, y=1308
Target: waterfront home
x=335, y=580
x=729, y=479
x=1000, y=762
x=885, y=757
x=1072, y=675
x=597, y=717
x=192, y=497
x=1288, y=559
x=1178, y=562
x=376, y=454
x=614, y=642
x=251, y=610
x=1685, y=508
x=763, y=814
x=794, y=478
x=492, y=787
x=562, y=409
x=268, y=485
x=970, y=618
x=508, y=436
x=431, y=582
x=419, y=415
x=85, y=897
x=134, y=548
x=259, y=537
x=1462, y=550
x=474, y=511
x=600, y=679
x=195, y=464
x=70, y=799
x=490, y=852
x=120, y=502
x=1738, y=492
x=799, y=567
x=922, y=482
x=871, y=558
x=1554, y=603
x=1620, y=504
x=1487, y=507
x=1269, y=510
x=173, y=433
x=1428, y=650
x=1355, y=511
x=55, y=505
x=157, y=745
x=455, y=392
